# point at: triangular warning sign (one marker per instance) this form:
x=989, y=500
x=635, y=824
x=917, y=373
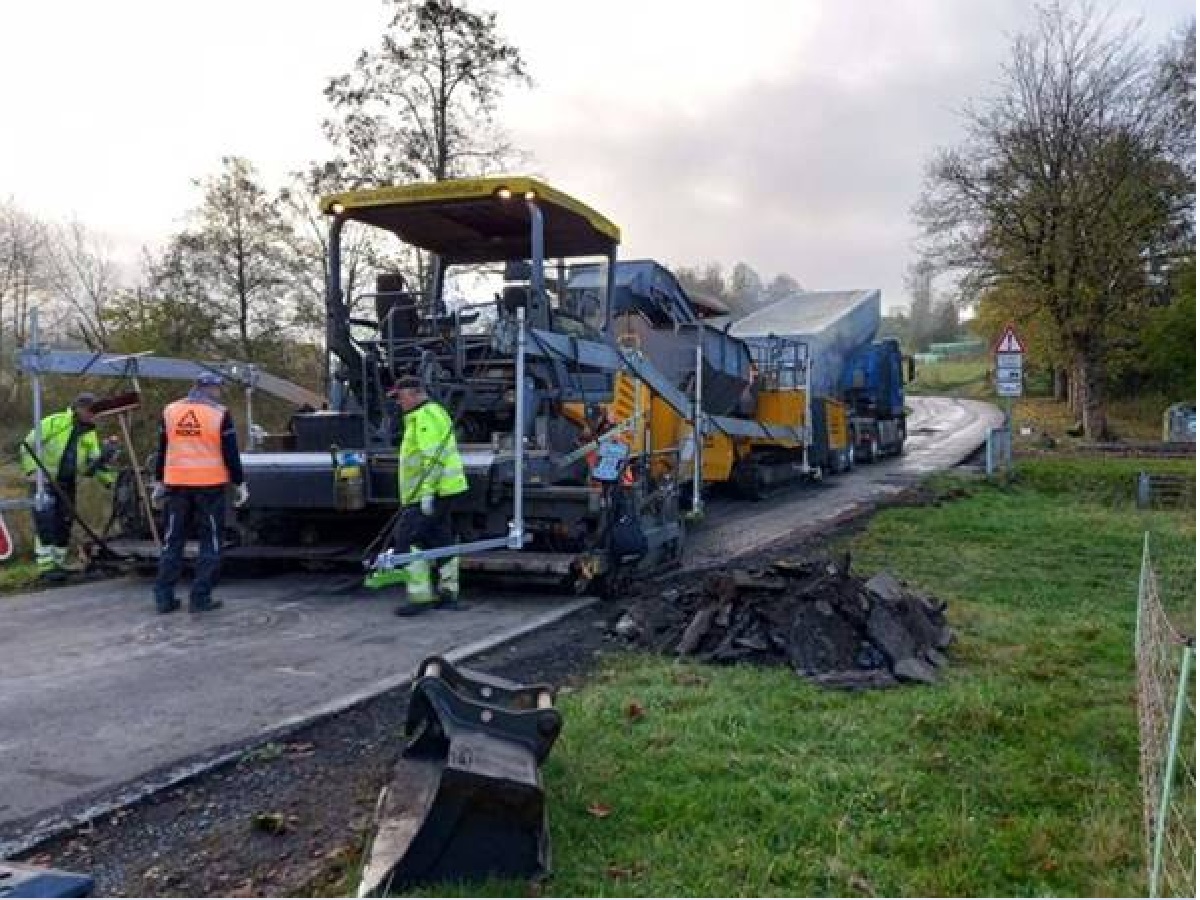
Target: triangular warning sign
x=189, y=420
x=6, y=544
x=1009, y=342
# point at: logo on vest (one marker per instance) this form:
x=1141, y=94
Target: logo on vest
x=188, y=425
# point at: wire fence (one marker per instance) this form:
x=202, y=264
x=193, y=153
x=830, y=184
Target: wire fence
x=1166, y=697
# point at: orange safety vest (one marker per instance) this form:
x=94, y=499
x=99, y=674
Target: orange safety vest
x=194, y=456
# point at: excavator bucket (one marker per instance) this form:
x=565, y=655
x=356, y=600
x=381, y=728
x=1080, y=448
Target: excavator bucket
x=465, y=801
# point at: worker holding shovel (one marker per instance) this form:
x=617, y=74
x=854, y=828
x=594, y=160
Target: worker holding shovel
x=70, y=450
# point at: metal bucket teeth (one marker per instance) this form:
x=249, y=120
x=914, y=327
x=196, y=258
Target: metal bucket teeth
x=465, y=801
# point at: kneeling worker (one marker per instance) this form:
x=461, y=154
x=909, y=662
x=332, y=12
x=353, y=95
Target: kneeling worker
x=430, y=470
x=197, y=460
x=70, y=450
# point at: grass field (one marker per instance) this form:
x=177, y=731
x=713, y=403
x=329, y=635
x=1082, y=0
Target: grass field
x=1017, y=775
x=1130, y=418
x=953, y=378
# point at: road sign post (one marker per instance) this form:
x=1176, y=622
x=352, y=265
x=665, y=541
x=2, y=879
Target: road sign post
x=1009, y=352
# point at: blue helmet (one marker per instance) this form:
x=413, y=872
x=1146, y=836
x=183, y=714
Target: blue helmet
x=206, y=379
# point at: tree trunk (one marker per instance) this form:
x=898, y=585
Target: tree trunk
x=1075, y=386
x=1058, y=378
x=1095, y=421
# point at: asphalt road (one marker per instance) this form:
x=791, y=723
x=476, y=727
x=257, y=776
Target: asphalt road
x=100, y=698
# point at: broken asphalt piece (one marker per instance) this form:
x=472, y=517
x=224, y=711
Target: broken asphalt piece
x=271, y=823
x=697, y=628
x=815, y=616
x=911, y=669
x=885, y=586
x=626, y=626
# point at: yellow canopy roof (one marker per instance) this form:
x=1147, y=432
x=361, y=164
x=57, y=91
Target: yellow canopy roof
x=479, y=219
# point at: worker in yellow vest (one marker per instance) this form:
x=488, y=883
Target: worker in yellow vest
x=198, y=459
x=70, y=450
x=430, y=471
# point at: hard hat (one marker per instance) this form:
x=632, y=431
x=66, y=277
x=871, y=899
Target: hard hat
x=406, y=383
x=86, y=400
x=209, y=379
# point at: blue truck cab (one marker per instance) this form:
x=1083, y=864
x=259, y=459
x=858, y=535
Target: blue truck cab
x=872, y=385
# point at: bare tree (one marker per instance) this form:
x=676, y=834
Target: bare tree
x=237, y=259
x=365, y=251
x=422, y=105
x=22, y=270
x=780, y=287
x=1065, y=188
x=745, y=288
x=83, y=276
x=1177, y=84
x=710, y=283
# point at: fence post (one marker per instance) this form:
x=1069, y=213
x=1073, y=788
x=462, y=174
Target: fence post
x=1160, y=824
x=1143, y=490
x=1141, y=597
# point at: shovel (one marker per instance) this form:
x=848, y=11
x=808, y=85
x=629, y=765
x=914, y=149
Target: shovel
x=121, y=405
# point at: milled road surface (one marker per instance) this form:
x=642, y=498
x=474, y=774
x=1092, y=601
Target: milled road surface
x=942, y=432
x=100, y=699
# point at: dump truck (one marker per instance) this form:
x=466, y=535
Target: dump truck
x=846, y=365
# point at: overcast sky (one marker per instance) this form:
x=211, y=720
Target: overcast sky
x=790, y=134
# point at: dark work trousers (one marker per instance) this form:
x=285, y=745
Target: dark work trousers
x=205, y=508
x=415, y=529
x=53, y=523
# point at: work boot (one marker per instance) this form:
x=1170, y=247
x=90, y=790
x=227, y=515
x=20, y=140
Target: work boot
x=375, y=580
x=447, y=600
x=53, y=576
x=170, y=607
x=206, y=606
x=408, y=608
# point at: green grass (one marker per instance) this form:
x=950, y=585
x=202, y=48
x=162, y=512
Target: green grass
x=953, y=378
x=1130, y=418
x=19, y=572
x=1016, y=775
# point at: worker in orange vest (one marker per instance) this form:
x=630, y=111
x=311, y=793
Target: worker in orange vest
x=197, y=460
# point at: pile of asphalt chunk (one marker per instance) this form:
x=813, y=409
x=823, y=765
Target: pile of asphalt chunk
x=830, y=626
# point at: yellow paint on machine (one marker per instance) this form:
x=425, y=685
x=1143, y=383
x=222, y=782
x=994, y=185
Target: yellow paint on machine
x=665, y=437
x=785, y=408
x=837, y=424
